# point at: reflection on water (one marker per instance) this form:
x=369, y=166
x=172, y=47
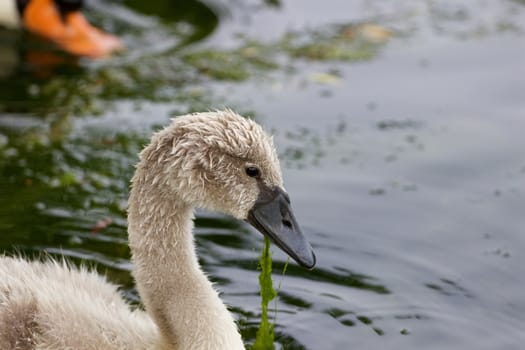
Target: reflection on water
x=164, y=74
x=410, y=191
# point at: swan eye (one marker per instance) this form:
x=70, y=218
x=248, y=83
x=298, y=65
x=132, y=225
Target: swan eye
x=252, y=171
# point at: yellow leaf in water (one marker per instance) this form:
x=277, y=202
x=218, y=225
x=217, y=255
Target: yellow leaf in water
x=375, y=33
x=325, y=78
x=250, y=52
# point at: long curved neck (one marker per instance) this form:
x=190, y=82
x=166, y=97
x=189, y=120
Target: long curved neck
x=175, y=291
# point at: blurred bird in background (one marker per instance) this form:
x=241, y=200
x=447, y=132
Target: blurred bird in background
x=60, y=22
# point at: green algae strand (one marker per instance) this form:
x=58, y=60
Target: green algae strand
x=265, y=334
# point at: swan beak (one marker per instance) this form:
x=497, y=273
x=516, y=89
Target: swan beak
x=272, y=215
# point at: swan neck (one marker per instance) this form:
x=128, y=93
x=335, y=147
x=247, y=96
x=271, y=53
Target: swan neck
x=173, y=288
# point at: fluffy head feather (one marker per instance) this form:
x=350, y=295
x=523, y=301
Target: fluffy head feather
x=206, y=156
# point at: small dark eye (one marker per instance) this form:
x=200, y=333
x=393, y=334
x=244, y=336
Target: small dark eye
x=252, y=171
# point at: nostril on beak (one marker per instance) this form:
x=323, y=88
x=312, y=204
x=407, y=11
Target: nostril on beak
x=287, y=223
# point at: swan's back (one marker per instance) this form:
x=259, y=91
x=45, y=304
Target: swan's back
x=58, y=307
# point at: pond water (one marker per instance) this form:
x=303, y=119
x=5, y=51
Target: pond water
x=400, y=127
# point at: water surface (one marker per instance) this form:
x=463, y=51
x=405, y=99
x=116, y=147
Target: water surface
x=400, y=128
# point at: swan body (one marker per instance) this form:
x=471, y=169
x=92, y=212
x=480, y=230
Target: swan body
x=217, y=160
x=53, y=306
x=9, y=16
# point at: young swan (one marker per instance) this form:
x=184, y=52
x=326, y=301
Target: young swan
x=215, y=160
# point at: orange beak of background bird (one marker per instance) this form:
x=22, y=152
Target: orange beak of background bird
x=71, y=31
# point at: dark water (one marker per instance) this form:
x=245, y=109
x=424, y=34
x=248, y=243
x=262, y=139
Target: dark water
x=401, y=129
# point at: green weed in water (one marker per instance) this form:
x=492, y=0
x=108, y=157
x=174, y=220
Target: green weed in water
x=265, y=334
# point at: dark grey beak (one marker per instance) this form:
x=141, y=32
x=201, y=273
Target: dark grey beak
x=272, y=215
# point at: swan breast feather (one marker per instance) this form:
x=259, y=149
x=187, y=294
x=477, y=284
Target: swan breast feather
x=60, y=307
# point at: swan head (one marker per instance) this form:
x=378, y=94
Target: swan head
x=224, y=162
